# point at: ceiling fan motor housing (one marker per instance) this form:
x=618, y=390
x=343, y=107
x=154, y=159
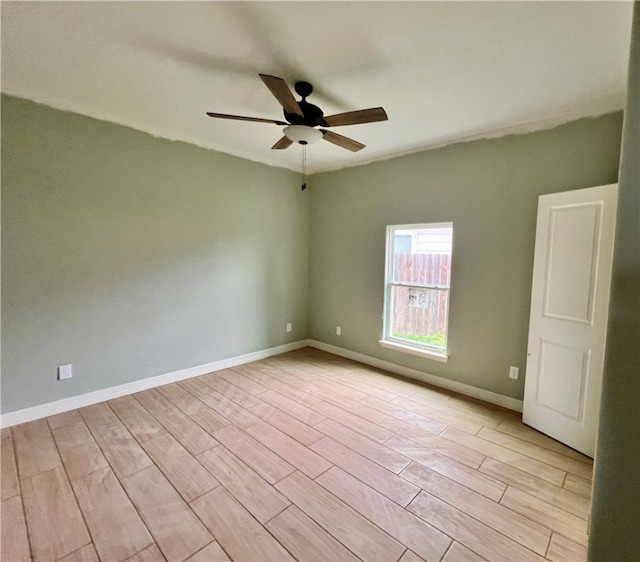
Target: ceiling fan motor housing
x=312, y=115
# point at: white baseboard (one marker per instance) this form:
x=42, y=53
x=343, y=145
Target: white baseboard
x=89, y=398
x=461, y=388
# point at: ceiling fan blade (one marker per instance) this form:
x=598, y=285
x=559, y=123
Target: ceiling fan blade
x=282, y=93
x=356, y=117
x=344, y=142
x=241, y=118
x=284, y=142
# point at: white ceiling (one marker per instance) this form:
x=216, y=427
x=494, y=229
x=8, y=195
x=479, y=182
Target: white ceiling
x=444, y=71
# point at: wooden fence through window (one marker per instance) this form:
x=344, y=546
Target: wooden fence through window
x=421, y=311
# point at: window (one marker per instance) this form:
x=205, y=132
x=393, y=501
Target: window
x=418, y=276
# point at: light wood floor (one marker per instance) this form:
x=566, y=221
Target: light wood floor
x=303, y=456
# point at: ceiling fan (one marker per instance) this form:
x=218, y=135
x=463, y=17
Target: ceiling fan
x=303, y=118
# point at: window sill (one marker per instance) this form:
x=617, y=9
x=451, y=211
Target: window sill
x=414, y=351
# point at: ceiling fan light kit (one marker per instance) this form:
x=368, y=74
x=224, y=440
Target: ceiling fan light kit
x=302, y=134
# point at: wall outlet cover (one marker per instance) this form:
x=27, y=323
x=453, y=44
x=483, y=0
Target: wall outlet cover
x=65, y=372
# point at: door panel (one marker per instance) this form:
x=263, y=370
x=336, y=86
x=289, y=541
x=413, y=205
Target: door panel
x=569, y=309
x=568, y=367
x=574, y=236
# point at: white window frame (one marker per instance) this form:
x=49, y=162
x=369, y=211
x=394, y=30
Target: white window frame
x=398, y=344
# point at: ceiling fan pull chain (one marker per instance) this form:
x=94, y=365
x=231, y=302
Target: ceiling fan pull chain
x=304, y=167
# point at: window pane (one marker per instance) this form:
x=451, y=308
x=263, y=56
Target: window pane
x=419, y=315
x=422, y=255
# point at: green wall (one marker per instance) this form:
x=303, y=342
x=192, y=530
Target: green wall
x=131, y=256
x=489, y=189
x=615, y=532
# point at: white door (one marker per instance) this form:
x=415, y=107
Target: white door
x=569, y=309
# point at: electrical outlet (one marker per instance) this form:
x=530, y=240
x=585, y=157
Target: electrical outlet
x=338, y=331
x=65, y=372
x=289, y=328
x=514, y=372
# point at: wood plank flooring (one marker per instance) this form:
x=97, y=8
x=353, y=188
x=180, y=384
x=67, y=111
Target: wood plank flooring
x=302, y=456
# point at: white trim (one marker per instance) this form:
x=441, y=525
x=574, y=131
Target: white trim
x=461, y=388
x=89, y=398
x=60, y=406
x=411, y=350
